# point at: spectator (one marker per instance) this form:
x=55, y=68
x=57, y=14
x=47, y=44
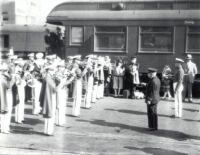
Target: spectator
x=118, y=73
x=166, y=79
x=131, y=77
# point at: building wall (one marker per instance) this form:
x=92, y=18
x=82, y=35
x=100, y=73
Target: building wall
x=31, y=12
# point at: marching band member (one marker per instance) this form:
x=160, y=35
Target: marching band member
x=36, y=80
x=100, y=88
x=77, y=89
x=28, y=66
x=4, y=85
x=61, y=94
x=90, y=81
x=69, y=65
x=107, y=74
x=95, y=84
x=48, y=100
x=20, y=84
x=39, y=60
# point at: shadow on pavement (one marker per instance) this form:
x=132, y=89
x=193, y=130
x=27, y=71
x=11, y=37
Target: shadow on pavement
x=156, y=151
x=24, y=130
x=190, y=110
x=70, y=115
x=28, y=111
x=191, y=120
x=136, y=112
x=176, y=135
x=32, y=121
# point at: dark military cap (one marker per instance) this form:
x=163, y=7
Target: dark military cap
x=152, y=70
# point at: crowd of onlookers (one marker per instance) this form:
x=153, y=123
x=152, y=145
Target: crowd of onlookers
x=126, y=77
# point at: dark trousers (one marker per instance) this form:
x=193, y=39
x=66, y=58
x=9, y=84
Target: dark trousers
x=187, y=89
x=132, y=89
x=28, y=93
x=152, y=116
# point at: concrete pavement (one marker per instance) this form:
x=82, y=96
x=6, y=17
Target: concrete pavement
x=112, y=126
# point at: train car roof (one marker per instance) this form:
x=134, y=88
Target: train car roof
x=124, y=15
x=105, y=1
x=26, y=28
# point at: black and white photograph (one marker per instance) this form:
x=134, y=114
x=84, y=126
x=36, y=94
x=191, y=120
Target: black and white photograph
x=99, y=77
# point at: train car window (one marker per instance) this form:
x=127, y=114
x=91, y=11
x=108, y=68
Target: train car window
x=150, y=5
x=105, y=6
x=5, y=18
x=77, y=35
x=6, y=41
x=135, y=6
x=194, y=5
x=181, y=5
x=110, y=39
x=165, y=5
x=193, y=39
x=156, y=39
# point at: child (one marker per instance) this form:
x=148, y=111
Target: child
x=166, y=78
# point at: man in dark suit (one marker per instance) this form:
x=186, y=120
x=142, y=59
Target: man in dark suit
x=152, y=99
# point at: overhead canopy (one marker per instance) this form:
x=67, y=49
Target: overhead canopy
x=26, y=28
x=124, y=15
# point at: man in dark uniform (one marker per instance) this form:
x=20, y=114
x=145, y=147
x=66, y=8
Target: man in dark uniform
x=152, y=99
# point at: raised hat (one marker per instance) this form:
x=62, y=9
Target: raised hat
x=178, y=60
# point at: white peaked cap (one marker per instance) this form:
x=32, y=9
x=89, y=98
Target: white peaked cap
x=39, y=55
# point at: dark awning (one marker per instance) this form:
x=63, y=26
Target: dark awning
x=124, y=15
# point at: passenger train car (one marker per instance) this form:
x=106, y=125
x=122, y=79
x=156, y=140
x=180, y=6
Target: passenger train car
x=156, y=31
x=24, y=39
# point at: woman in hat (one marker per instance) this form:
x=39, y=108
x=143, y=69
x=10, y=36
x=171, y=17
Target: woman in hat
x=118, y=73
